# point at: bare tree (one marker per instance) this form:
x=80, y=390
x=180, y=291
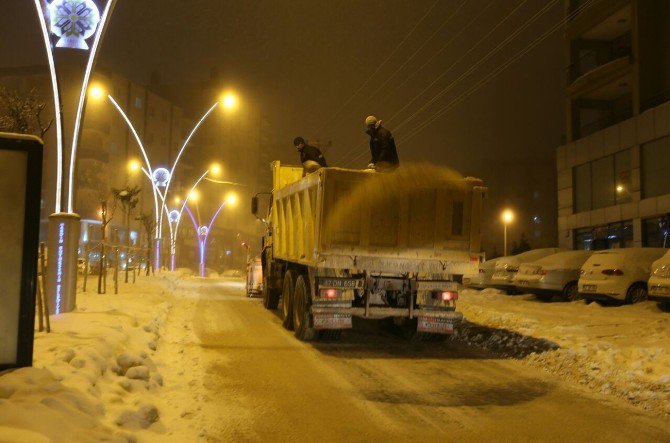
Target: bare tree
x=105, y=217
x=22, y=113
x=128, y=197
x=149, y=225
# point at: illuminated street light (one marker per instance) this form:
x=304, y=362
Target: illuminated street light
x=231, y=199
x=96, y=92
x=619, y=188
x=507, y=217
x=229, y=101
x=215, y=169
x=134, y=165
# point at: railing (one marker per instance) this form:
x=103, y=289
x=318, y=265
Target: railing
x=655, y=100
x=610, y=120
x=619, y=48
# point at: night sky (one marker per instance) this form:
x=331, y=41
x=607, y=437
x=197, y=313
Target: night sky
x=301, y=61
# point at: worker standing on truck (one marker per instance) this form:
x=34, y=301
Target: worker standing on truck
x=382, y=146
x=311, y=157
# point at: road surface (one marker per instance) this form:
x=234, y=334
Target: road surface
x=264, y=385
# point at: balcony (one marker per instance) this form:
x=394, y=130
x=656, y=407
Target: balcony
x=597, y=59
x=599, y=19
x=602, y=105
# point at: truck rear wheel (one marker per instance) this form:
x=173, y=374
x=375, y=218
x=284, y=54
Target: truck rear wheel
x=302, y=319
x=270, y=294
x=287, y=299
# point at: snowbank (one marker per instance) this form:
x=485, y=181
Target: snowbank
x=617, y=350
x=98, y=376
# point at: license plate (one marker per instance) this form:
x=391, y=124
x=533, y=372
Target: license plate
x=436, y=286
x=340, y=283
x=439, y=325
x=660, y=290
x=522, y=282
x=332, y=321
x=466, y=281
x=589, y=288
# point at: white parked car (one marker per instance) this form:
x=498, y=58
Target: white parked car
x=556, y=274
x=483, y=278
x=659, y=282
x=618, y=274
x=507, y=267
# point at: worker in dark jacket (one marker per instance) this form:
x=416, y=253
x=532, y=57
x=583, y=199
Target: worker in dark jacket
x=382, y=146
x=311, y=157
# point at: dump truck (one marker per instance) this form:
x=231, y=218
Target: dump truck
x=343, y=243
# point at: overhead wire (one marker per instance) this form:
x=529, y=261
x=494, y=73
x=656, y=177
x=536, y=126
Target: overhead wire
x=488, y=77
x=475, y=65
x=452, y=65
x=444, y=23
x=365, y=83
x=420, y=48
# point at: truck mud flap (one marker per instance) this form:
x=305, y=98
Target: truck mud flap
x=437, y=325
x=332, y=321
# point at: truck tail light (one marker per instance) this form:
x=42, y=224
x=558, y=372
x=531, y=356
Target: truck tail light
x=330, y=293
x=445, y=295
x=612, y=271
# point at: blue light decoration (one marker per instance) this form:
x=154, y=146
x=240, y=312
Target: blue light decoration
x=203, y=231
x=73, y=21
x=59, y=267
x=173, y=216
x=161, y=177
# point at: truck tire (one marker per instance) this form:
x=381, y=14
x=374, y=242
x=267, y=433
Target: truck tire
x=302, y=319
x=287, y=299
x=270, y=294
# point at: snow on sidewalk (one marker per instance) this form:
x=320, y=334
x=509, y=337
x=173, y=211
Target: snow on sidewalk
x=617, y=350
x=99, y=375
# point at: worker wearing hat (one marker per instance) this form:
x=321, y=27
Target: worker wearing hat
x=311, y=157
x=382, y=146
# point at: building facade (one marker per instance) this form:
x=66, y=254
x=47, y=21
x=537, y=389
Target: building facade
x=613, y=173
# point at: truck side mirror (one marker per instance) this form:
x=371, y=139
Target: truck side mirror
x=254, y=205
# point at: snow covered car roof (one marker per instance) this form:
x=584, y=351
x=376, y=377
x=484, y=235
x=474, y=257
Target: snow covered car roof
x=634, y=259
x=527, y=257
x=564, y=260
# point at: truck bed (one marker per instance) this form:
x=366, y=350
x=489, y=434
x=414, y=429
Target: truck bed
x=413, y=220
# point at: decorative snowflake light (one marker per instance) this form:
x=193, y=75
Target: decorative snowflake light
x=161, y=176
x=203, y=230
x=73, y=21
x=173, y=216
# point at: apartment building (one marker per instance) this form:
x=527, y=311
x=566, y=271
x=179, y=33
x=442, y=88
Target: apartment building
x=613, y=172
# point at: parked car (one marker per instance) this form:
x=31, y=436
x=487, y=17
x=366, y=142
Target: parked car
x=483, y=278
x=556, y=274
x=507, y=267
x=254, y=277
x=659, y=282
x=618, y=274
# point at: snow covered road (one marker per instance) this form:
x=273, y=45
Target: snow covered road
x=264, y=385
x=175, y=359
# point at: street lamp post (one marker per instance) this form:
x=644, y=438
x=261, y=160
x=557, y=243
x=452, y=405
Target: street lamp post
x=203, y=231
x=72, y=33
x=162, y=177
x=507, y=217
